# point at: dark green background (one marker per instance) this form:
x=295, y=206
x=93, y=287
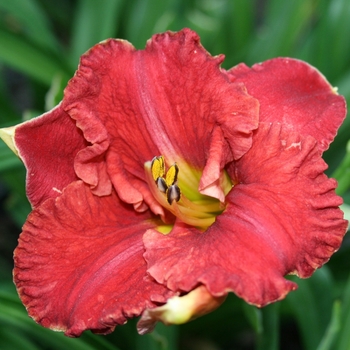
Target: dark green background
x=40, y=45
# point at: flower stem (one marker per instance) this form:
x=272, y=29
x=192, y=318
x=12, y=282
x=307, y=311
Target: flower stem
x=268, y=339
x=342, y=173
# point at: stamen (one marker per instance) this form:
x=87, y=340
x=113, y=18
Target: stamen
x=173, y=194
x=158, y=167
x=161, y=184
x=192, y=220
x=171, y=175
x=166, y=185
x=200, y=211
x=210, y=205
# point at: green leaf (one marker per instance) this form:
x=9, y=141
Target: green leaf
x=343, y=84
x=16, y=203
x=30, y=60
x=343, y=338
x=18, y=207
x=332, y=330
x=336, y=151
x=237, y=30
x=268, y=339
x=265, y=323
x=254, y=316
x=10, y=340
x=7, y=109
x=95, y=21
x=13, y=314
x=55, y=94
x=32, y=22
x=8, y=160
x=162, y=338
x=312, y=306
x=342, y=173
x=144, y=16
x=284, y=23
x=329, y=42
x=346, y=209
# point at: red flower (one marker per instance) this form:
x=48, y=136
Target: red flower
x=113, y=234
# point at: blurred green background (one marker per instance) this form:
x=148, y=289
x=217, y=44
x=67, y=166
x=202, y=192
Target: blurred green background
x=40, y=45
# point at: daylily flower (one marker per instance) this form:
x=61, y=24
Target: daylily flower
x=162, y=179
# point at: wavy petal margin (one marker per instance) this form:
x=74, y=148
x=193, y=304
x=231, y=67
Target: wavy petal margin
x=133, y=105
x=47, y=145
x=79, y=263
x=294, y=93
x=281, y=218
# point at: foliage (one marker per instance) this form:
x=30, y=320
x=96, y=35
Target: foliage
x=40, y=45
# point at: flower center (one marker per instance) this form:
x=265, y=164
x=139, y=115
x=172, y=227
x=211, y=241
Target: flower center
x=176, y=189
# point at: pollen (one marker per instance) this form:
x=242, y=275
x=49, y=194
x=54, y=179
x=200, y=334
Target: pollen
x=166, y=181
x=187, y=204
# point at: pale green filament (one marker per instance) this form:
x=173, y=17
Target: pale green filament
x=192, y=207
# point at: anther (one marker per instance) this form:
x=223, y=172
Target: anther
x=173, y=194
x=161, y=184
x=167, y=183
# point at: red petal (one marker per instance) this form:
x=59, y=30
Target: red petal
x=134, y=105
x=294, y=93
x=79, y=263
x=282, y=218
x=48, y=145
